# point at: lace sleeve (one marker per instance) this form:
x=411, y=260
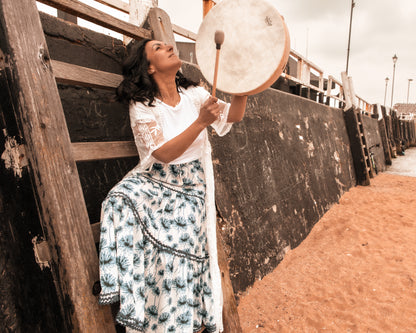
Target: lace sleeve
x=221, y=125
x=147, y=132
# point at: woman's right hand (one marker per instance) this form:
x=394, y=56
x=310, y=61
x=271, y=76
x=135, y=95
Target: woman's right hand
x=209, y=112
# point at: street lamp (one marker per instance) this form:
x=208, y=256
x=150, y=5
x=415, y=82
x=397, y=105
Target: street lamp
x=349, y=36
x=408, y=89
x=385, y=90
x=392, y=83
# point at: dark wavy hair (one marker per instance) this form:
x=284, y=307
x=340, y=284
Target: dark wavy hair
x=137, y=84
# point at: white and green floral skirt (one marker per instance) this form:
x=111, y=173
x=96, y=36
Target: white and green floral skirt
x=153, y=250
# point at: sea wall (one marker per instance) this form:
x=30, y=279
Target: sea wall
x=277, y=173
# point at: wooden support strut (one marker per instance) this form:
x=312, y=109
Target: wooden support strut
x=355, y=130
x=62, y=210
x=91, y=14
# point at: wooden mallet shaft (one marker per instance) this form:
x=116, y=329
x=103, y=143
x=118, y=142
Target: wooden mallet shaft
x=219, y=39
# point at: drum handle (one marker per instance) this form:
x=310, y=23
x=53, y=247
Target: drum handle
x=219, y=39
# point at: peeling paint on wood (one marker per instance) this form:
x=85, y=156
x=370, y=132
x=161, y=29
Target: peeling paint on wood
x=14, y=156
x=41, y=251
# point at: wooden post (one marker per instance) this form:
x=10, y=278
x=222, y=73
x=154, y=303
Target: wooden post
x=207, y=5
x=161, y=27
x=357, y=150
x=346, y=91
x=230, y=318
x=67, y=17
x=354, y=99
x=138, y=12
x=38, y=110
x=328, y=90
x=139, y=9
x=384, y=141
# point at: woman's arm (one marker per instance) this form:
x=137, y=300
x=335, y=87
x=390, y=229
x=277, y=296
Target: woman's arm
x=175, y=147
x=237, y=109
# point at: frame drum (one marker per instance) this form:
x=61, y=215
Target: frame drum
x=255, y=50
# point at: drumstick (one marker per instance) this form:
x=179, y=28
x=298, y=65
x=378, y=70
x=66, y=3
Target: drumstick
x=219, y=39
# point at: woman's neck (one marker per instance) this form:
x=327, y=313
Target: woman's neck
x=168, y=91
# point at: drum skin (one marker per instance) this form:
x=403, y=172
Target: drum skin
x=255, y=50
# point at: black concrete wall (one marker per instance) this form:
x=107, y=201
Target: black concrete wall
x=277, y=173
x=281, y=169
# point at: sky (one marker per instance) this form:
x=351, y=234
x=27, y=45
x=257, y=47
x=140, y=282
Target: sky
x=319, y=31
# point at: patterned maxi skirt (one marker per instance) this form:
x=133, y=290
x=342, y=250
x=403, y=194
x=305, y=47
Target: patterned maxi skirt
x=154, y=253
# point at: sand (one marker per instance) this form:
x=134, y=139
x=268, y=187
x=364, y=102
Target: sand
x=355, y=272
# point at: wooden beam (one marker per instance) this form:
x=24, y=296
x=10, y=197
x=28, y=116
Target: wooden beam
x=298, y=56
x=184, y=32
x=231, y=321
x=116, y=4
x=125, y=8
x=83, y=76
x=91, y=14
x=159, y=22
x=91, y=151
x=57, y=189
x=67, y=17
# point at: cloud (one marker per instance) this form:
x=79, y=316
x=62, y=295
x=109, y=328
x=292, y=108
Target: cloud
x=319, y=28
x=379, y=30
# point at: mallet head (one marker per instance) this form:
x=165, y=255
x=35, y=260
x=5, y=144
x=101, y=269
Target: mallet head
x=219, y=38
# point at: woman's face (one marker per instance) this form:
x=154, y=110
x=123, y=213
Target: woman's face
x=161, y=57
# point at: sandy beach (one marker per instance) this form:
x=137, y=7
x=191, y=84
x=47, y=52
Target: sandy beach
x=355, y=272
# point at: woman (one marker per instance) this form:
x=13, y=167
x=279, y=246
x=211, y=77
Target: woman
x=158, y=242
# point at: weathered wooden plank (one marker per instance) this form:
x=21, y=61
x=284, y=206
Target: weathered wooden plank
x=184, y=32
x=116, y=4
x=62, y=210
x=125, y=8
x=90, y=151
x=91, y=14
x=78, y=75
x=67, y=17
x=357, y=150
x=231, y=321
x=298, y=56
x=95, y=227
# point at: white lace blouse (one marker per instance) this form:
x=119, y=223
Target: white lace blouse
x=154, y=126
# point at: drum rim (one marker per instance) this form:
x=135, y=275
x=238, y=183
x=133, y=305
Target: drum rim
x=274, y=75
